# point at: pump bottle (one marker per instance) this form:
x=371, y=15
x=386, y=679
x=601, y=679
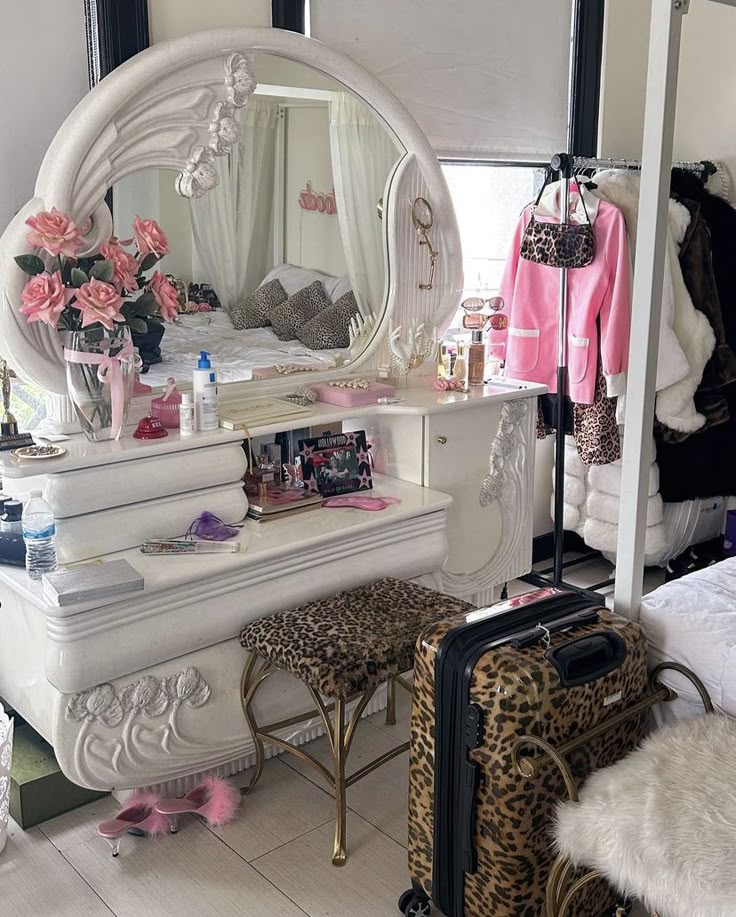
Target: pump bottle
x=205, y=395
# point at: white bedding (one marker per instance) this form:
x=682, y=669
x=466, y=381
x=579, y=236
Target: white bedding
x=234, y=354
x=693, y=621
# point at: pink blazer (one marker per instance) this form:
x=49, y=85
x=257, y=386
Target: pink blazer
x=599, y=293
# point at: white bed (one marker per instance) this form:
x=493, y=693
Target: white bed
x=693, y=621
x=234, y=354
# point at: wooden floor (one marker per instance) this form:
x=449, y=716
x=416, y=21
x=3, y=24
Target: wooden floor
x=272, y=861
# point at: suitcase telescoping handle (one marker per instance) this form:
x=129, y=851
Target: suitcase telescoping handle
x=587, y=658
x=539, y=633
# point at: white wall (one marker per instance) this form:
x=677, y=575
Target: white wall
x=43, y=74
x=706, y=128
x=174, y=18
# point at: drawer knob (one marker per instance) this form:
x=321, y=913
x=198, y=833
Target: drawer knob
x=441, y=440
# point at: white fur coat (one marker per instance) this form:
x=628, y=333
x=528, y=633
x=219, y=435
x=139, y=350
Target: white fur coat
x=661, y=824
x=686, y=338
x=593, y=504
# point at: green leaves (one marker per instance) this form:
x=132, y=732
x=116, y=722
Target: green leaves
x=146, y=304
x=138, y=324
x=149, y=261
x=30, y=264
x=79, y=277
x=102, y=270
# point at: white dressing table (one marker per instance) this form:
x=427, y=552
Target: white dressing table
x=144, y=689
x=66, y=669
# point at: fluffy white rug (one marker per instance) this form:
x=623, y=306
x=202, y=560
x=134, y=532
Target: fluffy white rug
x=661, y=824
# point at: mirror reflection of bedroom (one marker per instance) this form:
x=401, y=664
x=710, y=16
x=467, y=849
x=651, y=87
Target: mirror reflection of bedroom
x=272, y=264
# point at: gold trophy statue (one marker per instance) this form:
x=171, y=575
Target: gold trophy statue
x=8, y=424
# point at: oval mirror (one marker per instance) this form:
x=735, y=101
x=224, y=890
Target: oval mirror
x=273, y=262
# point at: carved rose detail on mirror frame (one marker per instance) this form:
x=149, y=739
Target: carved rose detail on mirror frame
x=199, y=175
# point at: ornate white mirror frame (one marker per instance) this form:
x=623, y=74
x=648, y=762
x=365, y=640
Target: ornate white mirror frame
x=171, y=107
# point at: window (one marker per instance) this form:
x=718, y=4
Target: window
x=27, y=403
x=488, y=200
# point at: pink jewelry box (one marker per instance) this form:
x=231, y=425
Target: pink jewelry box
x=349, y=397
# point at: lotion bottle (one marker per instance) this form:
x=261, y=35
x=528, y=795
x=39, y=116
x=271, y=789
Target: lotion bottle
x=477, y=359
x=205, y=395
x=186, y=415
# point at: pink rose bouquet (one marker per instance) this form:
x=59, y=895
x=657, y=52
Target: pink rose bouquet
x=70, y=292
x=165, y=295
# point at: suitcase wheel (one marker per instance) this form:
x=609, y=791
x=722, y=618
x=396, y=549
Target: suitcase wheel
x=414, y=904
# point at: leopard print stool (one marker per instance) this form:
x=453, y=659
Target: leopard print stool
x=343, y=648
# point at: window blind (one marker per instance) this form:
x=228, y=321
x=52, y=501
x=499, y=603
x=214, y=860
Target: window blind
x=484, y=78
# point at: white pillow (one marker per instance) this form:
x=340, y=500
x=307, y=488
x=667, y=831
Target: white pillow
x=293, y=279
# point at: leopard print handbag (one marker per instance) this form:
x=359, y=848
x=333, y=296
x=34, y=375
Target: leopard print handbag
x=561, y=245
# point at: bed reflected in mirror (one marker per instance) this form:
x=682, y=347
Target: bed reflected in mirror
x=274, y=262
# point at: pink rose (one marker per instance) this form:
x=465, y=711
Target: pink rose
x=150, y=237
x=126, y=267
x=55, y=232
x=99, y=302
x=204, y=307
x=45, y=297
x=165, y=296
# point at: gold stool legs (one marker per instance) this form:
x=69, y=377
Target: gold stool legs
x=248, y=686
x=339, y=732
x=339, y=754
x=391, y=702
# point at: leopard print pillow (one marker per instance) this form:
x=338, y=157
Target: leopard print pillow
x=255, y=311
x=291, y=315
x=330, y=329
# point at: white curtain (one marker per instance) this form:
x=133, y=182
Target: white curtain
x=232, y=223
x=484, y=78
x=363, y=156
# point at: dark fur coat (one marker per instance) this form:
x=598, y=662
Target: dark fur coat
x=704, y=465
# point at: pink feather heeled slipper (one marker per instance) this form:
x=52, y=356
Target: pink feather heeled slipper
x=139, y=817
x=215, y=800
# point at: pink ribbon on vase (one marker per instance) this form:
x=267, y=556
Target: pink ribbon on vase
x=109, y=372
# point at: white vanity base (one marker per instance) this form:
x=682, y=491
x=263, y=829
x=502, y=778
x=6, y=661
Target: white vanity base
x=144, y=690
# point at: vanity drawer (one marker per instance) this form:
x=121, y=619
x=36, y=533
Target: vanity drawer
x=110, y=530
x=90, y=490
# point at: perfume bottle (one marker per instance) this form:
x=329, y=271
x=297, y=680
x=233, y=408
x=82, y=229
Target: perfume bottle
x=461, y=364
x=477, y=359
x=441, y=361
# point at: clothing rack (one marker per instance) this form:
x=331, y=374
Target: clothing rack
x=567, y=166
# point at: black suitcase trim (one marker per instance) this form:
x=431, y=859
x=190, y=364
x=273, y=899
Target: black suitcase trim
x=458, y=723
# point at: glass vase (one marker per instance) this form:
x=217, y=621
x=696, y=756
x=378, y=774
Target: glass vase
x=100, y=374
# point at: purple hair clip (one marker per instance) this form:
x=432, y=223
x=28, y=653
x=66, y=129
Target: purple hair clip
x=212, y=528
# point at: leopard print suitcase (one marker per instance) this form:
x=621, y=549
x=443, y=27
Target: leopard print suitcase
x=516, y=691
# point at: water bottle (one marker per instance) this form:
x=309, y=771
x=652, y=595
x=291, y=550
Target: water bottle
x=39, y=535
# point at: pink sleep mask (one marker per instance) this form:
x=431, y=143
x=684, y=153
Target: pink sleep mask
x=371, y=504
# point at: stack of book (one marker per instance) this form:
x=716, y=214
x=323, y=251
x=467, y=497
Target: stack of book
x=280, y=501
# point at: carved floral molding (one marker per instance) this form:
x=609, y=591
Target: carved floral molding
x=150, y=696
x=506, y=443
x=133, y=748
x=200, y=175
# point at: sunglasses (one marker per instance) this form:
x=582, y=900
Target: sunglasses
x=474, y=318
x=476, y=303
